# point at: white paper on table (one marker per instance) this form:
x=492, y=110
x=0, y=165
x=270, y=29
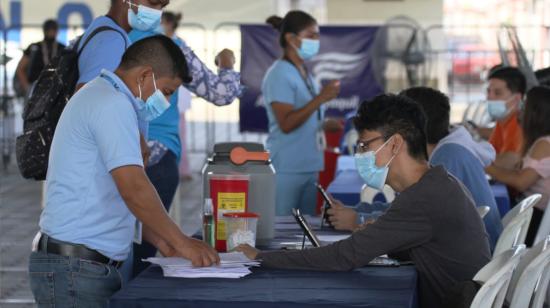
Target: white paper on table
x=206, y=272
x=333, y=238
x=232, y=265
x=229, y=258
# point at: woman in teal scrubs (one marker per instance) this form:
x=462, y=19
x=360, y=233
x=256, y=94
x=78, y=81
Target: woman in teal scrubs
x=294, y=107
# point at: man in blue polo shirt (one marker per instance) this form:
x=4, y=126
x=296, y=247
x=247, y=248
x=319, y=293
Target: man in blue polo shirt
x=96, y=185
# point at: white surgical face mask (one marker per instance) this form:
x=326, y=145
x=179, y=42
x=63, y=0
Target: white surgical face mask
x=154, y=106
x=308, y=49
x=146, y=19
x=374, y=176
x=497, y=109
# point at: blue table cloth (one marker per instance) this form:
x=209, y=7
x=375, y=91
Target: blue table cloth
x=502, y=198
x=266, y=288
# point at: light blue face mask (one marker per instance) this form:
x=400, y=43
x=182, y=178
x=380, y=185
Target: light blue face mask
x=497, y=109
x=374, y=176
x=155, y=105
x=308, y=49
x=146, y=19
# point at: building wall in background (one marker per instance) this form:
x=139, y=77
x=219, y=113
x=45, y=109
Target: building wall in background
x=427, y=12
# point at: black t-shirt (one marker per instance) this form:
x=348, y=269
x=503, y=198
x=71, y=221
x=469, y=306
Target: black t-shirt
x=40, y=54
x=434, y=221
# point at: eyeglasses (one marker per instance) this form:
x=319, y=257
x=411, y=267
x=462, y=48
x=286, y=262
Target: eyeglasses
x=363, y=146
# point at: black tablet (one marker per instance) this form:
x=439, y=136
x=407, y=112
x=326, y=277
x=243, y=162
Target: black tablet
x=306, y=228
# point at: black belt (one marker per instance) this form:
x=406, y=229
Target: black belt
x=53, y=246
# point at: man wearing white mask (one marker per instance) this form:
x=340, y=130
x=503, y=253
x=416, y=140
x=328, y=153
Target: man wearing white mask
x=505, y=92
x=97, y=187
x=432, y=221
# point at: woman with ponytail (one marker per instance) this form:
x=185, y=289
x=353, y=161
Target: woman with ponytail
x=294, y=103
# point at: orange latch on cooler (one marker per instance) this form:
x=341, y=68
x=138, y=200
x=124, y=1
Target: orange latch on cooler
x=240, y=155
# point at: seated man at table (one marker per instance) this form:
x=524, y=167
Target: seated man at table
x=96, y=186
x=455, y=149
x=433, y=220
x=505, y=92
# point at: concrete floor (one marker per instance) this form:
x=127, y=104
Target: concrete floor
x=19, y=215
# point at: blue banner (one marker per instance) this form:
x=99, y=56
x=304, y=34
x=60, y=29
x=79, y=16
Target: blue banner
x=343, y=56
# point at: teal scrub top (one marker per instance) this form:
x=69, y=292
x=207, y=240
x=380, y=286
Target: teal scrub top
x=297, y=151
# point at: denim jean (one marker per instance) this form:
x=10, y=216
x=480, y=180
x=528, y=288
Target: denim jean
x=58, y=281
x=164, y=176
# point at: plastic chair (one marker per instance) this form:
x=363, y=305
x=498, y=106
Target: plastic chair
x=514, y=232
x=479, y=112
x=544, y=228
x=529, y=282
x=368, y=194
x=468, y=112
x=350, y=140
x=526, y=203
x=495, y=278
x=483, y=210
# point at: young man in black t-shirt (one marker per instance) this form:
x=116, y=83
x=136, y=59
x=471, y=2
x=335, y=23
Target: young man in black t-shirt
x=36, y=57
x=433, y=221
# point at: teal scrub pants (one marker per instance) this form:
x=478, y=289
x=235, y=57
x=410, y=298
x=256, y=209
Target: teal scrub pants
x=296, y=190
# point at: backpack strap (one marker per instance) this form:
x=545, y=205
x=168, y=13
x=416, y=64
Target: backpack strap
x=96, y=31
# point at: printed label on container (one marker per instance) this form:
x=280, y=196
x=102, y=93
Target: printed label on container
x=228, y=202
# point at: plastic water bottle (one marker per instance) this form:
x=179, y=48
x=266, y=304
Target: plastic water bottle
x=208, y=225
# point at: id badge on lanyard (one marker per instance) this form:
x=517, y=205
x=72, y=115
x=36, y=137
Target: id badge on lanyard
x=138, y=232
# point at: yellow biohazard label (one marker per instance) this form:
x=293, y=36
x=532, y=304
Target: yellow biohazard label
x=228, y=202
x=232, y=202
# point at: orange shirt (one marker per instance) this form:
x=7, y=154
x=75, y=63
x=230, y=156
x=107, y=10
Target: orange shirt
x=507, y=136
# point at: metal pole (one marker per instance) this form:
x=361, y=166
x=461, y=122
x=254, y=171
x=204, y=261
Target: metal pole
x=5, y=141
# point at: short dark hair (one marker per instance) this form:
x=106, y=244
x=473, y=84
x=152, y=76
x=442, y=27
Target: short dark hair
x=543, y=76
x=437, y=108
x=161, y=53
x=392, y=114
x=535, y=123
x=513, y=77
x=50, y=24
x=172, y=18
x=293, y=22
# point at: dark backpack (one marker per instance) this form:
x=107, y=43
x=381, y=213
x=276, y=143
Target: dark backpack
x=51, y=92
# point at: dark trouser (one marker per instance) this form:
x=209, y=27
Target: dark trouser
x=165, y=177
x=536, y=219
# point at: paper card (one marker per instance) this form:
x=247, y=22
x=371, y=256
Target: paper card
x=138, y=230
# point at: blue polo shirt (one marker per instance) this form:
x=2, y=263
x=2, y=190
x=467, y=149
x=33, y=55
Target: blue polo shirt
x=97, y=132
x=104, y=50
x=298, y=151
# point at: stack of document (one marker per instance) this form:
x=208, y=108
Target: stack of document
x=232, y=265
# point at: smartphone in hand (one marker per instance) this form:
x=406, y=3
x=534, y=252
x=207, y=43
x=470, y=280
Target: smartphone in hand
x=328, y=204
